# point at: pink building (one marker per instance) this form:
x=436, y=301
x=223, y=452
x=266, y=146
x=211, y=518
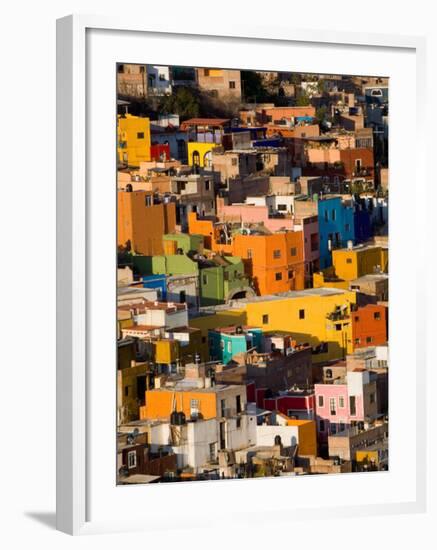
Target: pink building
x=310, y=227
x=250, y=213
x=347, y=402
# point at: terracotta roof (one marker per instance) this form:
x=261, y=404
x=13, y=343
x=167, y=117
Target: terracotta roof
x=204, y=122
x=141, y=328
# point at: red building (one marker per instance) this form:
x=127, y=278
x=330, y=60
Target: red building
x=160, y=152
x=369, y=326
x=298, y=404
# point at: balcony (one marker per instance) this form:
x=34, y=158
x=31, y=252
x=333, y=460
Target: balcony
x=338, y=315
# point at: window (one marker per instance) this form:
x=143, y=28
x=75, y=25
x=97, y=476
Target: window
x=222, y=407
x=372, y=398
x=238, y=422
x=232, y=84
x=341, y=402
x=140, y=135
x=357, y=340
x=204, y=340
x=332, y=406
x=162, y=77
x=238, y=402
x=205, y=72
x=265, y=319
x=212, y=452
x=301, y=314
x=282, y=207
x=328, y=373
x=369, y=339
x=333, y=215
x=338, y=326
x=194, y=407
x=347, y=227
x=126, y=391
x=207, y=185
x=249, y=253
x=290, y=274
x=182, y=296
x=341, y=427
x=348, y=260
x=278, y=276
x=276, y=254
x=229, y=347
x=320, y=401
x=377, y=316
x=352, y=405
x=322, y=425
x=326, y=216
x=204, y=279
x=226, y=275
x=333, y=429
x=293, y=251
x=196, y=158
x=131, y=459
x=234, y=161
x=356, y=318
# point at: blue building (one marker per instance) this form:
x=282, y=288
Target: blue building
x=362, y=222
x=336, y=226
x=157, y=282
x=224, y=343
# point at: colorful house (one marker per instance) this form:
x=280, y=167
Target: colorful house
x=336, y=226
x=226, y=342
x=221, y=278
x=200, y=154
x=369, y=326
x=353, y=262
x=320, y=317
x=219, y=401
x=345, y=403
x=142, y=222
x=133, y=138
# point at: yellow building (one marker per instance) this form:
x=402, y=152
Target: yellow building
x=166, y=352
x=319, y=316
x=200, y=153
x=133, y=140
x=307, y=436
x=327, y=280
x=351, y=263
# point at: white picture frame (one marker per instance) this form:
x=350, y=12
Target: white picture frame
x=76, y=210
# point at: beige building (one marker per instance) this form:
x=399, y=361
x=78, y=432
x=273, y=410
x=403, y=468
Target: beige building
x=345, y=444
x=221, y=83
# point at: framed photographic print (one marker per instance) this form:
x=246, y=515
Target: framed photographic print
x=233, y=324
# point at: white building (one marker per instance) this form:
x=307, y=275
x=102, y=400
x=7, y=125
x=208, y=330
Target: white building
x=158, y=80
x=162, y=314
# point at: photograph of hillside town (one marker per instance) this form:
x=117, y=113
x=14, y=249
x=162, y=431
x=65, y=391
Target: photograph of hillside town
x=252, y=274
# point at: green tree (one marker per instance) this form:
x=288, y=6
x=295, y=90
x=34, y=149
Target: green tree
x=321, y=114
x=184, y=102
x=302, y=100
x=253, y=87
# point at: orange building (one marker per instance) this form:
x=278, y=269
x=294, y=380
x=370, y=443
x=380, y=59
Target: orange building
x=274, y=261
x=141, y=223
x=213, y=402
x=369, y=326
